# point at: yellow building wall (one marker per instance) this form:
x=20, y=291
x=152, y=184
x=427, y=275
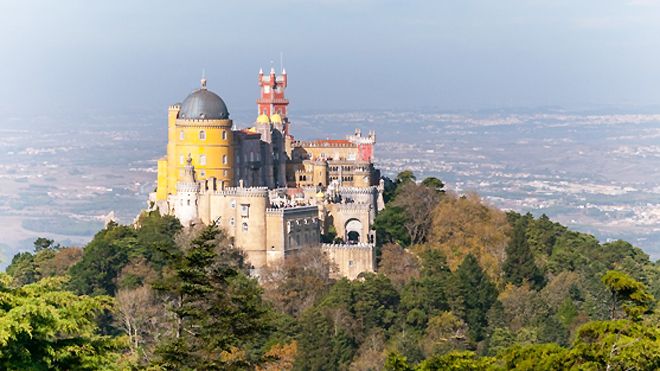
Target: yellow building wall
x=216, y=146
x=161, y=190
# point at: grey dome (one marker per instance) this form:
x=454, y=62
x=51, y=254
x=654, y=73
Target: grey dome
x=203, y=104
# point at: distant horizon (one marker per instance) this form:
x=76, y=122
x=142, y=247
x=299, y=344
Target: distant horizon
x=340, y=55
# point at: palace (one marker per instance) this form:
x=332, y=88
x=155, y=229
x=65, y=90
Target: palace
x=273, y=194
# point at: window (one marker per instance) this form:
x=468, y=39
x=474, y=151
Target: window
x=238, y=159
x=181, y=159
x=224, y=135
x=245, y=210
x=202, y=135
x=233, y=204
x=350, y=263
x=224, y=172
x=224, y=159
x=202, y=159
x=202, y=173
x=232, y=222
x=181, y=136
x=245, y=227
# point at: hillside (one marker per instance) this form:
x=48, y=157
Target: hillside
x=460, y=285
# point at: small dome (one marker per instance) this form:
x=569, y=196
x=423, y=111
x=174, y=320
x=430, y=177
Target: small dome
x=203, y=104
x=263, y=119
x=276, y=118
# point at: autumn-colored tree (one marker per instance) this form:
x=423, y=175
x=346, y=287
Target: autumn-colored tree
x=465, y=225
x=398, y=264
x=296, y=283
x=445, y=332
x=280, y=357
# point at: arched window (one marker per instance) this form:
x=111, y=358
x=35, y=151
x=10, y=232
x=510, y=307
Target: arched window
x=245, y=227
x=224, y=159
x=224, y=135
x=202, y=135
x=202, y=159
x=181, y=136
x=181, y=159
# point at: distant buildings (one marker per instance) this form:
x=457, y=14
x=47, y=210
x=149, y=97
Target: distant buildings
x=273, y=194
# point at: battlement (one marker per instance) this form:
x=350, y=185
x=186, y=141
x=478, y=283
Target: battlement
x=292, y=210
x=345, y=246
x=357, y=137
x=245, y=192
x=187, y=187
x=358, y=190
x=353, y=206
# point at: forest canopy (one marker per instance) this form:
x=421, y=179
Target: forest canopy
x=459, y=285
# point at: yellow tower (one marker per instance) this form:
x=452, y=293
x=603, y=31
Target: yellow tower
x=200, y=128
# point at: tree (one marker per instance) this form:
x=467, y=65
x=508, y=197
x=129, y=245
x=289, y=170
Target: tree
x=435, y=184
x=389, y=226
x=398, y=264
x=417, y=203
x=298, y=282
x=140, y=316
x=478, y=294
x=23, y=269
x=445, y=332
x=519, y=266
x=42, y=243
x=406, y=176
x=220, y=320
x=464, y=225
x=103, y=259
x=44, y=327
x=628, y=293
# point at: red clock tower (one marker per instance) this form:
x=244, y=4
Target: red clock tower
x=271, y=100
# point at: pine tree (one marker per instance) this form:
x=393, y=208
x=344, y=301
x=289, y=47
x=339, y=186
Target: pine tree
x=478, y=294
x=519, y=266
x=221, y=321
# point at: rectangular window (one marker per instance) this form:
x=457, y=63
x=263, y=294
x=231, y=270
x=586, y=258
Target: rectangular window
x=245, y=210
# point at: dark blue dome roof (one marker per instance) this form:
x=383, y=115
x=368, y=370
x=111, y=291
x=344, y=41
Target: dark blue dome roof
x=203, y=104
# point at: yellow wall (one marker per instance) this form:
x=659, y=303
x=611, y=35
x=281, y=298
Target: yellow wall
x=215, y=147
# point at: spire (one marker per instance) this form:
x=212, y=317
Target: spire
x=261, y=71
x=188, y=171
x=203, y=80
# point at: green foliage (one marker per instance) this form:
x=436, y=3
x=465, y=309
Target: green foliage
x=23, y=269
x=519, y=266
x=44, y=327
x=103, y=259
x=435, y=184
x=389, y=226
x=478, y=294
x=627, y=291
x=221, y=321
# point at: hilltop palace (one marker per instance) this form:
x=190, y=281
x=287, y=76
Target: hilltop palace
x=273, y=194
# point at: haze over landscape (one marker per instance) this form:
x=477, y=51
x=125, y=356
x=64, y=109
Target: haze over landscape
x=550, y=107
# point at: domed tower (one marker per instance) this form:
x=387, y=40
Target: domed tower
x=199, y=127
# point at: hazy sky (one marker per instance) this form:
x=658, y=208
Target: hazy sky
x=453, y=54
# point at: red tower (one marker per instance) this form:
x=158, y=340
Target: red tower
x=271, y=99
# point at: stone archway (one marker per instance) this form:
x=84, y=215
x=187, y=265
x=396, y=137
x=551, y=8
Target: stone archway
x=353, y=230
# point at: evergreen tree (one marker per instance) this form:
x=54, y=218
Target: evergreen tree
x=478, y=294
x=43, y=327
x=519, y=266
x=221, y=321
